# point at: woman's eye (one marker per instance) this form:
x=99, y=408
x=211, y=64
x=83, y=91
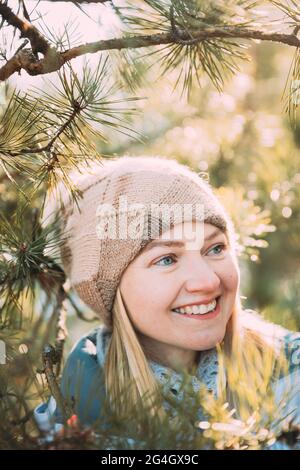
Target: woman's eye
x=169, y=257
x=221, y=247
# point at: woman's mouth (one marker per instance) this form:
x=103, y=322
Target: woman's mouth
x=204, y=312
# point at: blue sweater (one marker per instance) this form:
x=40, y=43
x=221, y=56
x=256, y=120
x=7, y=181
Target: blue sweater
x=83, y=384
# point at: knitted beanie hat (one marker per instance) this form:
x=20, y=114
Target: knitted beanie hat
x=132, y=192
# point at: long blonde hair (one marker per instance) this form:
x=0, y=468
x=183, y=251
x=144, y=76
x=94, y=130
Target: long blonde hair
x=249, y=359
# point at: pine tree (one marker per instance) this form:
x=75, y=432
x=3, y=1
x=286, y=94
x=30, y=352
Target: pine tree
x=45, y=133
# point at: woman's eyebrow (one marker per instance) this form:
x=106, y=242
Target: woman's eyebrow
x=168, y=243
x=177, y=243
x=213, y=234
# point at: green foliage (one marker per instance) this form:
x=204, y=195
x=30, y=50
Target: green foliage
x=253, y=222
x=55, y=127
x=189, y=56
x=231, y=128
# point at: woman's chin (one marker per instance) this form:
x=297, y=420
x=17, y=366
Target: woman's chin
x=212, y=341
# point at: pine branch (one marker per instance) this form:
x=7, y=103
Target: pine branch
x=37, y=41
x=54, y=60
x=22, y=257
x=61, y=329
x=49, y=359
x=56, y=127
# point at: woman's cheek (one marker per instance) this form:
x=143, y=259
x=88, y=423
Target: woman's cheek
x=233, y=277
x=229, y=274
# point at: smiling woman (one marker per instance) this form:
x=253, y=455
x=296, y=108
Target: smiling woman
x=195, y=291
x=167, y=292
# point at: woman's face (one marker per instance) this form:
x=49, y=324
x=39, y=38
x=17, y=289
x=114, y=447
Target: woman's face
x=164, y=277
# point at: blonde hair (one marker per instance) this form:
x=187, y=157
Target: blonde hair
x=128, y=376
x=248, y=357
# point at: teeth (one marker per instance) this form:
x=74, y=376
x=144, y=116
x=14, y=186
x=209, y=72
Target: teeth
x=197, y=309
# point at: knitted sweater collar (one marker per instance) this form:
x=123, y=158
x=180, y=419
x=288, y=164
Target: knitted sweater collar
x=286, y=388
x=206, y=372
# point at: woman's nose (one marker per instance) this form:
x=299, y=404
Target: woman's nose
x=201, y=277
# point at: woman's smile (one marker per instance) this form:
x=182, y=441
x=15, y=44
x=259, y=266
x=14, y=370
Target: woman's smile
x=203, y=316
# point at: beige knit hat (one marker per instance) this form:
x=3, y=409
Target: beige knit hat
x=92, y=256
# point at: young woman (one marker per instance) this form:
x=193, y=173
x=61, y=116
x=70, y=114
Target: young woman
x=152, y=251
